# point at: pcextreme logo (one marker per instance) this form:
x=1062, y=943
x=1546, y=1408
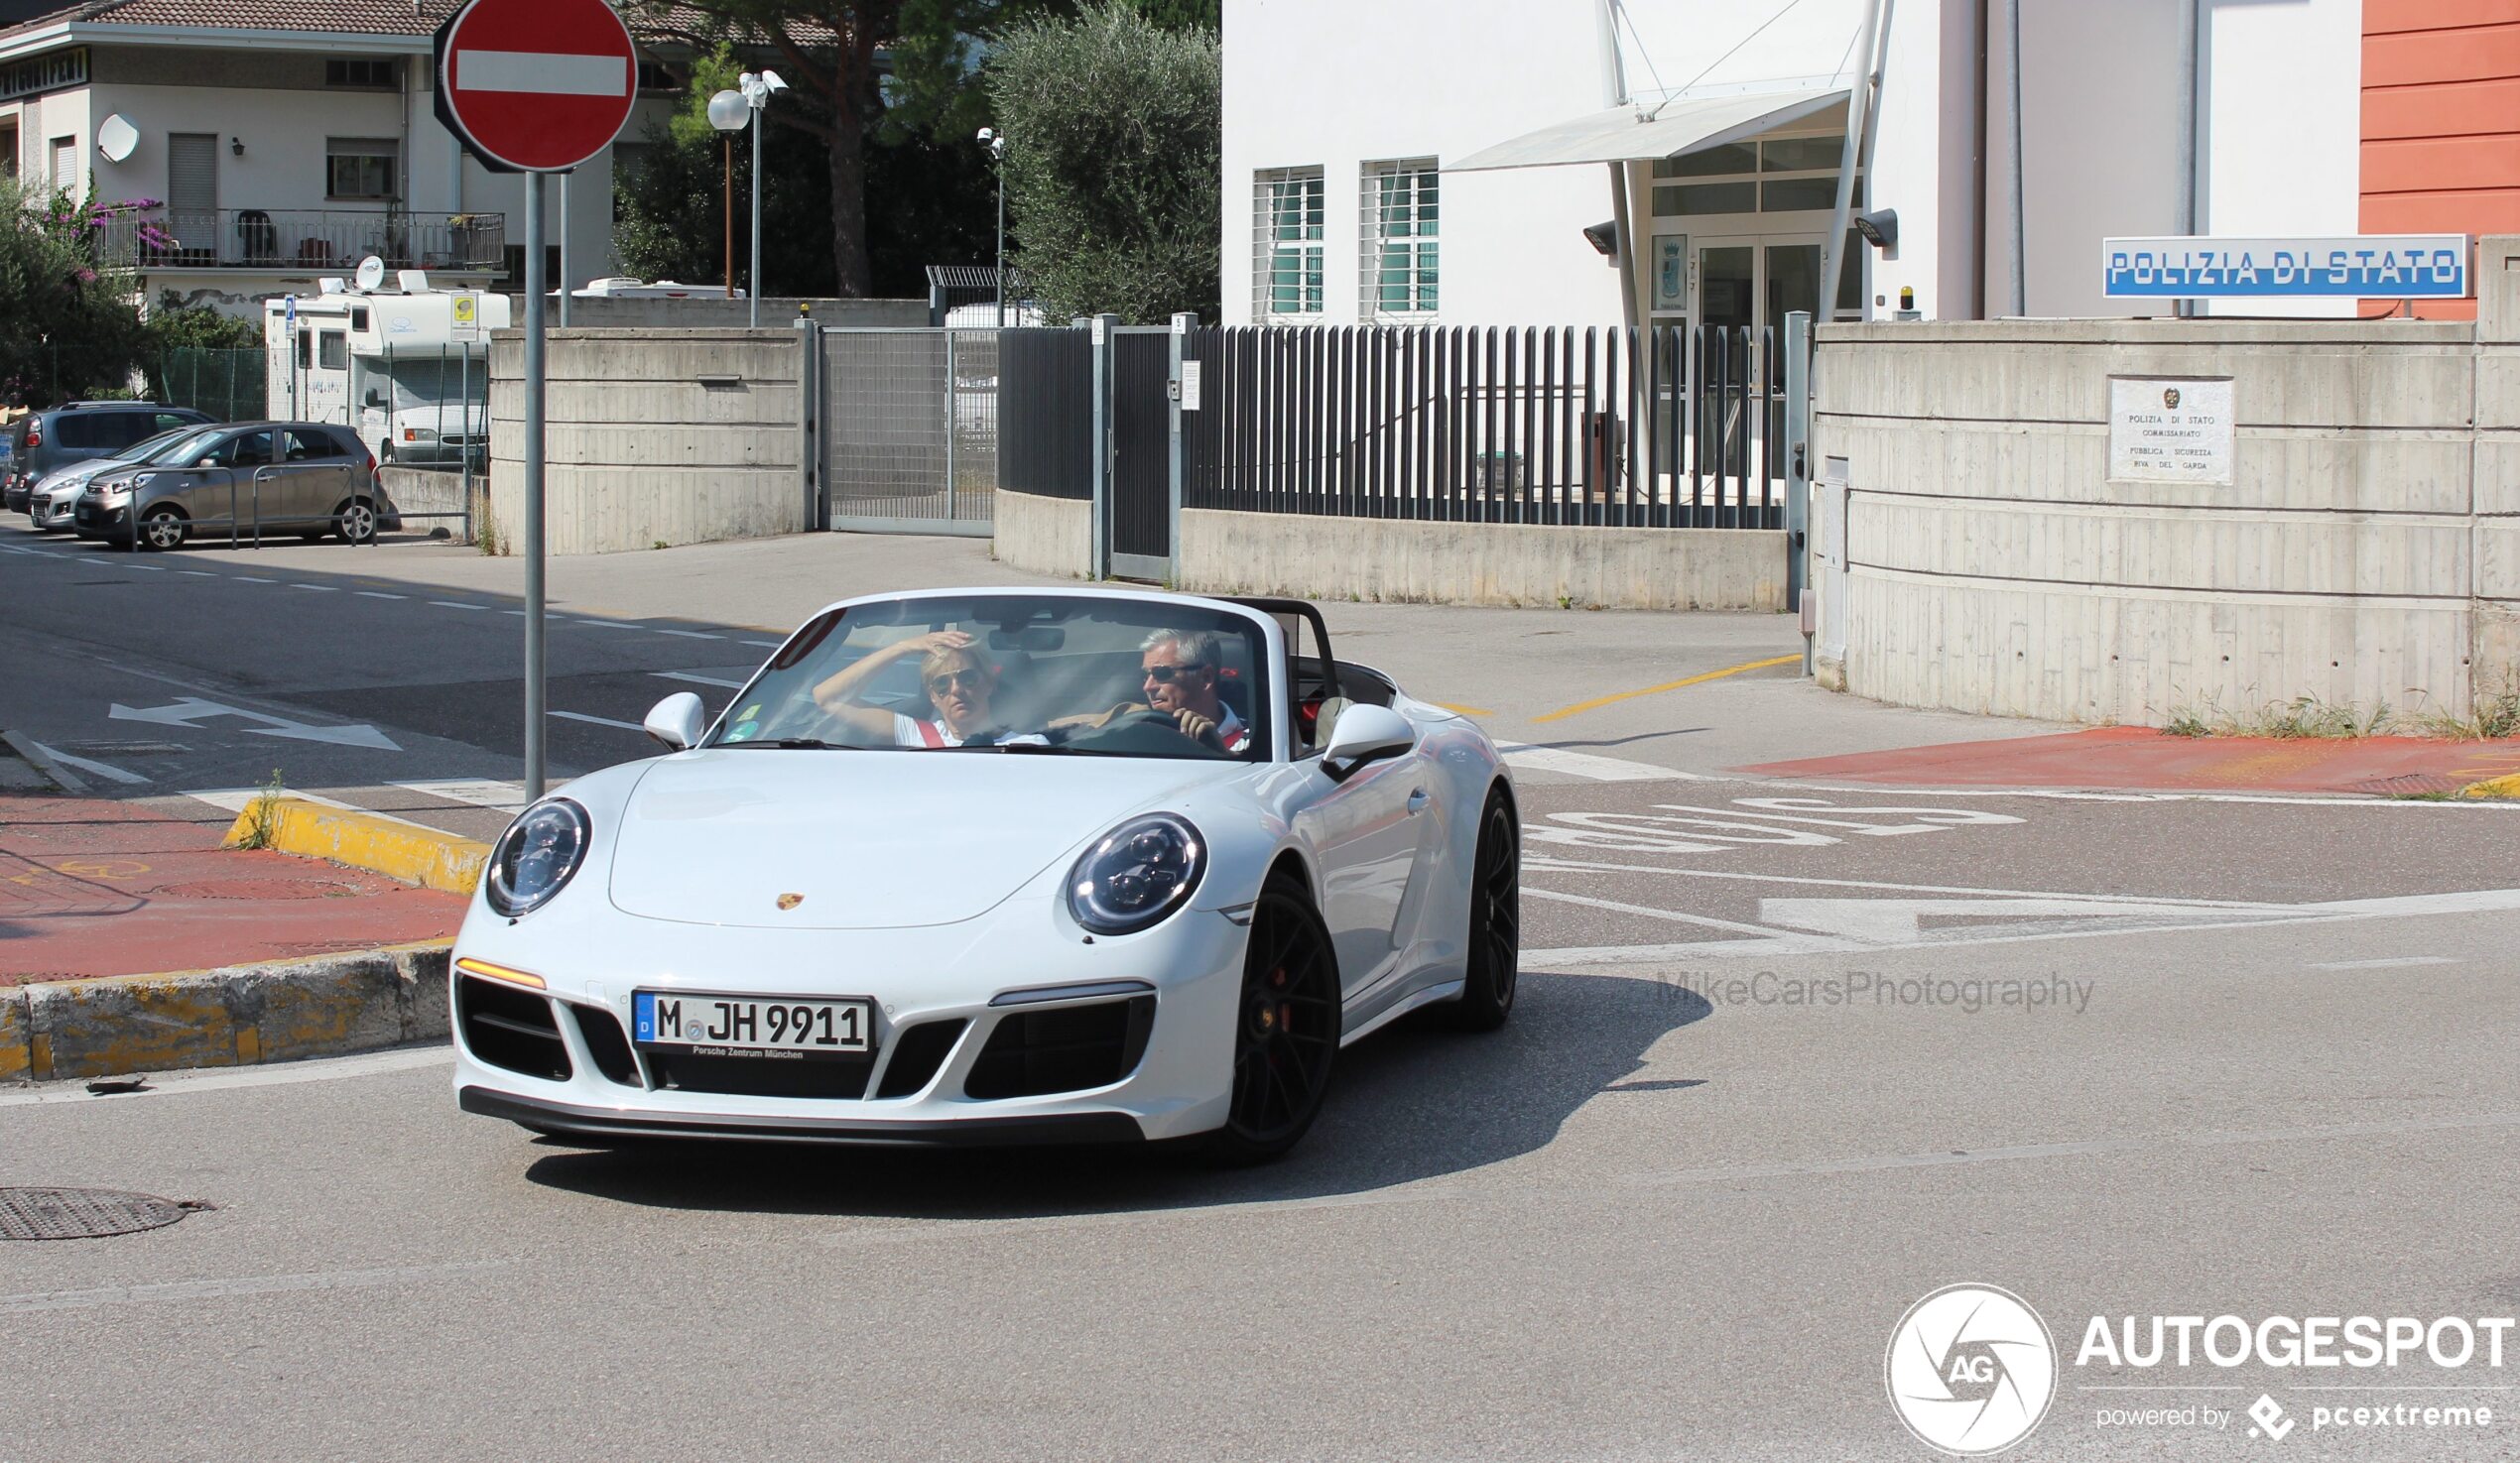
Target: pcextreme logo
x=1972, y=1369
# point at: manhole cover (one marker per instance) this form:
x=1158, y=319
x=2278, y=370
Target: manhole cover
x=84, y=1213
x=255, y=889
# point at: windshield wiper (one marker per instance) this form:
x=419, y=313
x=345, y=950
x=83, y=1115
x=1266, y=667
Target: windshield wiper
x=792, y=744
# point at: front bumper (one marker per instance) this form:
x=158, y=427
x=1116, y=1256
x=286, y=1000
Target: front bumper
x=567, y=1119
x=981, y=973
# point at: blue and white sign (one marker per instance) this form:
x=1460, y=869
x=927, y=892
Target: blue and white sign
x=2357, y=267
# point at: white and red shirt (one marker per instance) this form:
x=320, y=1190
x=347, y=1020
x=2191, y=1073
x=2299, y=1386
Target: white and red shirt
x=1231, y=731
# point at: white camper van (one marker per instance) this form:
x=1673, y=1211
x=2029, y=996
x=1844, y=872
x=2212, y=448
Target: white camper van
x=407, y=369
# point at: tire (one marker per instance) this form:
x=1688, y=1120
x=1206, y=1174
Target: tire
x=354, y=521
x=162, y=528
x=1496, y=922
x=1287, y=1028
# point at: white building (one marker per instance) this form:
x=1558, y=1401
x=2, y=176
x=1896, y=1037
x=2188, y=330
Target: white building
x=1345, y=126
x=287, y=139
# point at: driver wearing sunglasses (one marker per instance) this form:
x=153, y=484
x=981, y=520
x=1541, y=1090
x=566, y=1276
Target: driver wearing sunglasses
x=958, y=681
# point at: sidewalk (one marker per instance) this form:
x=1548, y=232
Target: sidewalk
x=2140, y=759
x=90, y=887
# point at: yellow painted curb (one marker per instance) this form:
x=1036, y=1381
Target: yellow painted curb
x=329, y=1006
x=362, y=841
x=2493, y=788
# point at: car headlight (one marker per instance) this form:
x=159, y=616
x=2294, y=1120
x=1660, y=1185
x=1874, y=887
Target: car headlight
x=1136, y=874
x=536, y=856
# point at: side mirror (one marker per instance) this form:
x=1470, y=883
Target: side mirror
x=1365, y=734
x=373, y=398
x=679, y=720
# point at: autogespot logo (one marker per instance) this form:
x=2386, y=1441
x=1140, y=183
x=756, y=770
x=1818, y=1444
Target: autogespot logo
x=1972, y=1369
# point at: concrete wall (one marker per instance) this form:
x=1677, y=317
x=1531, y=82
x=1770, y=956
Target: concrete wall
x=419, y=490
x=723, y=314
x=1044, y=535
x=1479, y=563
x=652, y=436
x=2366, y=552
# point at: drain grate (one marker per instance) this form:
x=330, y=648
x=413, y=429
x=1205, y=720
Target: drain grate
x=84, y=1213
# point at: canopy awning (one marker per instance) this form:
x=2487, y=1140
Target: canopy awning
x=1684, y=125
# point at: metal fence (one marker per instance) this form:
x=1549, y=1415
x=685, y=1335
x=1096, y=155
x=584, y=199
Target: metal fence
x=301, y=238
x=910, y=428
x=1668, y=427
x=228, y=385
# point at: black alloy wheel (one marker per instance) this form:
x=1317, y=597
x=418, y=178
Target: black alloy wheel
x=1496, y=920
x=1286, y=1030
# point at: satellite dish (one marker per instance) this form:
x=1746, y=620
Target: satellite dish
x=371, y=272
x=117, y=138
x=412, y=281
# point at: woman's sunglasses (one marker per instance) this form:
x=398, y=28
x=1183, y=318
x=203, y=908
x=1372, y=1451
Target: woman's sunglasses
x=976, y=680
x=1166, y=674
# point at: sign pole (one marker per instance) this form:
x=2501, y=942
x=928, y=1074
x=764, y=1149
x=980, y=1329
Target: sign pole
x=533, y=386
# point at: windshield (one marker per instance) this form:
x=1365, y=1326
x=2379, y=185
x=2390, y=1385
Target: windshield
x=1038, y=673
x=431, y=381
x=148, y=449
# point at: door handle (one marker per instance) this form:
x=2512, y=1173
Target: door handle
x=1417, y=799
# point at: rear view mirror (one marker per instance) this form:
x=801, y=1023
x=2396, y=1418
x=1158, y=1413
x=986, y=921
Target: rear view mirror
x=679, y=720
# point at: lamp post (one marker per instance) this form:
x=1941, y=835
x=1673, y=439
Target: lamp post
x=995, y=142
x=758, y=89
x=730, y=113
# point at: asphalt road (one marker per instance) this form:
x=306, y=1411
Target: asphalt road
x=1788, y=1059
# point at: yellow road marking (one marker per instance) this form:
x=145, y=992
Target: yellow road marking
x=1563, y=712
x=1460, y=710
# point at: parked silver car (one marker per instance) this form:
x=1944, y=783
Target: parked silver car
x=49, y=503
x=248, y=479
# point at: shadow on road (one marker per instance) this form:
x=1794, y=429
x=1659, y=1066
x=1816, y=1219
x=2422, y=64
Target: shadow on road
x=1410, y=1103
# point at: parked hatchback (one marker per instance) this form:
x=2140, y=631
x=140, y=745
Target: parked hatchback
x=251, y=479
x=49, y=503
x=53, y=439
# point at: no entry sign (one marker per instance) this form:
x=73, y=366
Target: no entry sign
x=536, y=85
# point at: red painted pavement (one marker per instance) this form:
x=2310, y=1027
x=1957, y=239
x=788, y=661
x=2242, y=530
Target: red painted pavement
x=89, y=887
x=2139, y=759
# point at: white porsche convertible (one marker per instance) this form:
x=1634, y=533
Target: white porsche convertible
x=996, y=867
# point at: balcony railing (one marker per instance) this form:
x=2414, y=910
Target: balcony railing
x=325, y=239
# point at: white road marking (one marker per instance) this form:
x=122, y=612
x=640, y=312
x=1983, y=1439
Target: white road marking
x=250, y=579
x=2337, y=799
x=449, y=605
x=111, y=773
x=520, y=614
x=767, y=645
x=1762, y=931
x=597, y=720
x=606, y=625
x=198, y=573
x=377, y=594
x=318, y=589
x=221, y=1079
x=2081, y=1148
x=498, y=796
x=1579, y=866
x=686, y=634
x=697, y=678
x=1586, y=765
x=335, y=1279
x=2390, y=964
x=236, y=800
x=187, y=711
x=144, y=569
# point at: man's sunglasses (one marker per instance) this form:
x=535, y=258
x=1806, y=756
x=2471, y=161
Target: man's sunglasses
x=1166, y=674
x=938, y=685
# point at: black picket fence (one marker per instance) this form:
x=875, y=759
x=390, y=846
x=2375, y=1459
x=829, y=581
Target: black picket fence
x=1668, y=427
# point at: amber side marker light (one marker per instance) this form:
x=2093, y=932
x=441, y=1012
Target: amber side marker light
x=470, y=966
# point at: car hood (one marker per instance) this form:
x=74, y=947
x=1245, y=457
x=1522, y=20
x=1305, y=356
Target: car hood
x=867, y=839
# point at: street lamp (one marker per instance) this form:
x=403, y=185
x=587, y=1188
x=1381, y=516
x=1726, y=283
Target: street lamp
x=995, y=142
x=730, y=113
x=758, y=89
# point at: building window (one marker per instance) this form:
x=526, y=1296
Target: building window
x=1782, y=174
x=1396, y=250
x=377, y=73
x=655, y=77
x=65, y=166
x=1287, y=252
x=359, y=166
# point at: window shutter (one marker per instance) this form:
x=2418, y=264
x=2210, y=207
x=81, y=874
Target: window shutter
x=192, y=174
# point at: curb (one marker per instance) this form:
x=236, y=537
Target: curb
x=2508, y=787
x=115, y=1026
x=45, y=767
x=381, y=845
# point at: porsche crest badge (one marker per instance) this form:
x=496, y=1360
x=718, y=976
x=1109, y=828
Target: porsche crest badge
x=790, y=901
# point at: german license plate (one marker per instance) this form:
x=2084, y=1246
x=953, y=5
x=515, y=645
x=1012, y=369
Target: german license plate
x=774, y=1027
